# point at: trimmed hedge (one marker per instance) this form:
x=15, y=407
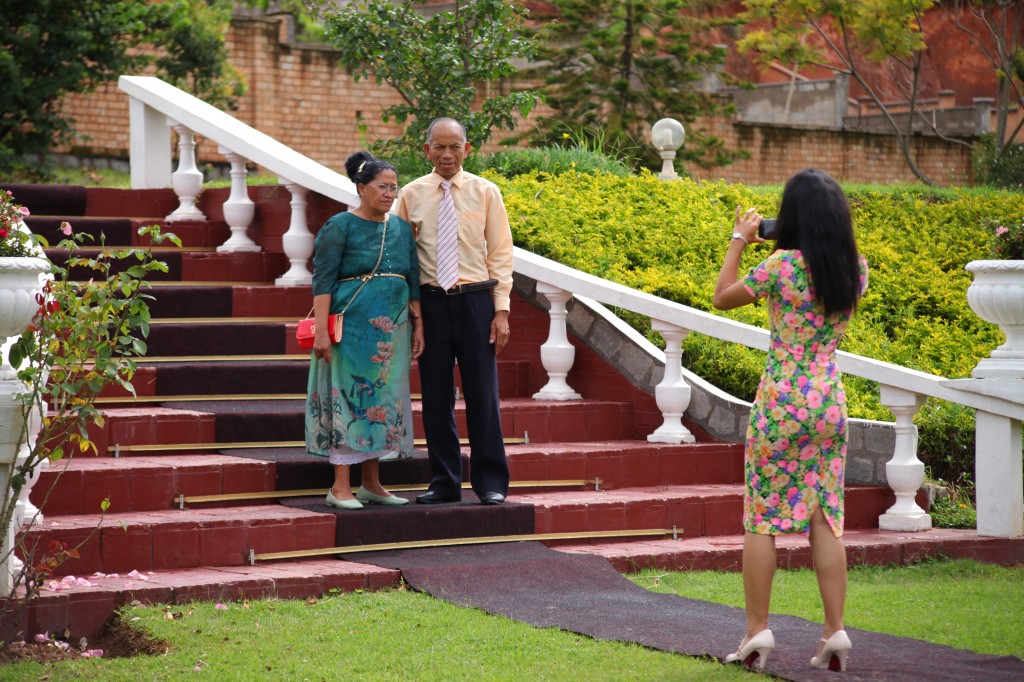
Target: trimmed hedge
x=669, y=238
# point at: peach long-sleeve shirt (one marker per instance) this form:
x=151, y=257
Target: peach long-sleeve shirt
x=485, y=239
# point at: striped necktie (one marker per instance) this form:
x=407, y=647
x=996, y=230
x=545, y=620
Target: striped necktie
x=447, y=240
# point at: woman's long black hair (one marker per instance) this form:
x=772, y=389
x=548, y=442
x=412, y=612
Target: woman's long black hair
x=815, y=218
x=364, y=167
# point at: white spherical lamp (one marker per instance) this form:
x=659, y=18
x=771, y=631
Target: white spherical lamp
x=667, y=136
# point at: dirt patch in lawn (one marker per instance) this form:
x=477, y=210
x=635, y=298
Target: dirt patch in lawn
x=118, y=640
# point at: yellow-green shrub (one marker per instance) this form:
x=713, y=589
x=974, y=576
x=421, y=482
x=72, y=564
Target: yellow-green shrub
x=669, y=238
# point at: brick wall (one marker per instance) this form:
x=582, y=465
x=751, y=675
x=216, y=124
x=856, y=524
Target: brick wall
x=298, y=95
x=777, y=152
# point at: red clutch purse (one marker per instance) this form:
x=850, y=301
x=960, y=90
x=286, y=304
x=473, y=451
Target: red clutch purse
x=306, y=331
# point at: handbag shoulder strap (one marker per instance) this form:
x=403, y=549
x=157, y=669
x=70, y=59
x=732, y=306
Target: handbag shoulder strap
x=367, y=277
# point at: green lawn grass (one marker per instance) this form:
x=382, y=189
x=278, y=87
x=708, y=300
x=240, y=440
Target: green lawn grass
x=402, y=635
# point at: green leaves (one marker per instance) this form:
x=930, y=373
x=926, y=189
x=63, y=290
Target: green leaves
x=438, y=66
x=84, y=339
x=619, y=66
x=669, y=238
x=49, y=49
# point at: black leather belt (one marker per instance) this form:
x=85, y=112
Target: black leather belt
x=460, y=288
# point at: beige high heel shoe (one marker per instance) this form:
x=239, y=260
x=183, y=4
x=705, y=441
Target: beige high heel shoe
x=754, y=654
x=833, y=654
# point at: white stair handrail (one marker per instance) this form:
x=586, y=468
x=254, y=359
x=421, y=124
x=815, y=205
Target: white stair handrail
x=224, y=129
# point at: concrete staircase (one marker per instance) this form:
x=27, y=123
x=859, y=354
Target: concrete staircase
x=229, y=424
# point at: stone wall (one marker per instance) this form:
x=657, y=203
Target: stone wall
x=299, y=95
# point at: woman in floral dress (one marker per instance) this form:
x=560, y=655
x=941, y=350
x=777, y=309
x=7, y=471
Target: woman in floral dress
x=357, y=405
x=795, y=454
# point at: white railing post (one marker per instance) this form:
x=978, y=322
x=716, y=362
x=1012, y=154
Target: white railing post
x=187, y=180
x=239, y=209
x=904, y=472
x=673, y=393
x=297, y=241
x=998, y=486
x=149, y=145
x=556, y=354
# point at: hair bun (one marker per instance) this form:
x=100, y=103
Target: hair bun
x=354, y=164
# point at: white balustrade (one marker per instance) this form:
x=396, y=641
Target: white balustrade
x=239, y=209
x=999, y=408
x=297, y=241
x=556, y=354
x=187, y=180
x=673, y=393
x=904, y=472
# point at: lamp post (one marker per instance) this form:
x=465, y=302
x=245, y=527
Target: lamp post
x=667, y=136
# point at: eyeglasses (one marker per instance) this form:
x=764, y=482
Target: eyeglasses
x=384, y=189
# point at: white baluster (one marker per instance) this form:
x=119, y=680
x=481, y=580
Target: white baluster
x=31, y=513
x=905, y=472
x=297, y=241
x=673, y=393
x=239, y=209
x=187, y=180
x=556, y=354
x=998, y=476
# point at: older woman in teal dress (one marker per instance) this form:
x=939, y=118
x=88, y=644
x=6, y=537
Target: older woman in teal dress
x=357, y=406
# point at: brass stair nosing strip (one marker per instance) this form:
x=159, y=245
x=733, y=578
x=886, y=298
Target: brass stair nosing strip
x=256, y=445
x=180, y=283
x=181, y=500
x=144, y=247
x=294, y=554
x=222, y=320
x=220, y=358
x=184, y=283
x=225, y=397
x=198, y=398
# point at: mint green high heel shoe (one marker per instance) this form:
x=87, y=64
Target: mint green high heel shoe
x=343, y=504
x=364, y=495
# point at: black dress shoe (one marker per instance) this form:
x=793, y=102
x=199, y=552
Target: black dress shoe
x=433, y=497
x=492, y=498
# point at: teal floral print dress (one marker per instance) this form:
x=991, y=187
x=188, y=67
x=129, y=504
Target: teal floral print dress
x=795, y=454
x=358, y=405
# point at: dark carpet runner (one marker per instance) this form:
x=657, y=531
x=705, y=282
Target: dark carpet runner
x=296, y=469
x=533, y=584
x=376, y=524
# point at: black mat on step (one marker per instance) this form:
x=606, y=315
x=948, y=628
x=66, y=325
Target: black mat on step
x=172, y=259
x=191, y=302
x=585, y=594
x=376, y=523
x=115, y=231
x=64, y=200
x=188, y=378
x=212, y=339
x=296, y=469
x=246, y=421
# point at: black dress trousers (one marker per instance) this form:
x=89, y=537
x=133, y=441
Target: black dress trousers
x=456, y=329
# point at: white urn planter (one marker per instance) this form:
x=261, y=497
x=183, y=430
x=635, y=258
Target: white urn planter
x=20, y=280
x=997, y=295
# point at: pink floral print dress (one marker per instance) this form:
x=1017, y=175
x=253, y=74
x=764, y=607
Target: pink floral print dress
x=795, y=455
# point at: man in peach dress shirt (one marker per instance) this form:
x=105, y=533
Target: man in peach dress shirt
x=466, y=322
